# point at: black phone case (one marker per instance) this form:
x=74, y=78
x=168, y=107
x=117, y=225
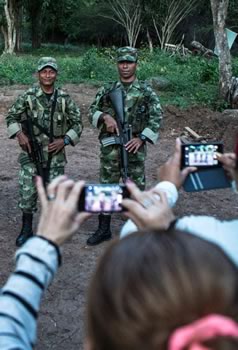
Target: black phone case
x=206, y=179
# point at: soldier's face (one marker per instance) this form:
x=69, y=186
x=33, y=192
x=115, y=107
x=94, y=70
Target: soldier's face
x=127, y=70
x=47, y=76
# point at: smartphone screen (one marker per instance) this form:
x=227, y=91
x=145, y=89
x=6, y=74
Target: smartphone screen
x=105, y=198
x=201, y=154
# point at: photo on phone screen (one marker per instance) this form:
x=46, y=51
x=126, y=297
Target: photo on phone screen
x=201, y=154
x=102, y=198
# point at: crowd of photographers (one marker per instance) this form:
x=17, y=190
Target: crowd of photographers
x=166, y=284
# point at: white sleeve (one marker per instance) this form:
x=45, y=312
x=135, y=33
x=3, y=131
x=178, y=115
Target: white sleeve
x=222, y=233
x=172, y=195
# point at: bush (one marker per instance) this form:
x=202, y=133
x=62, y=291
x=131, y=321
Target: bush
x=194, y=80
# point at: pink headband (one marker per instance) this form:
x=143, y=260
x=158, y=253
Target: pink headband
x=204, y=329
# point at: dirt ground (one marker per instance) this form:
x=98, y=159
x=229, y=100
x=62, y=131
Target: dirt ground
x=61, y=320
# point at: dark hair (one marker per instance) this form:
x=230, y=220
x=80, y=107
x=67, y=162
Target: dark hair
x=149, y=284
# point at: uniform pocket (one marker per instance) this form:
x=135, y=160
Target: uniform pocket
x=58, y=124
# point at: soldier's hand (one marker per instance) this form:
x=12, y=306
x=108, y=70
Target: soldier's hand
x=56, y=146
x=23, y=141
x=133, y=145
x=111, y=124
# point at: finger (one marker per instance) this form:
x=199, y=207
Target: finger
x=64, y=189
x=136, y=148
x=52, y=187
x=177, y=154
x=117, y=131
x=134, y=210
x=82, y=217
x=159, y=196
x=74, y=194
x=186, y=171
x=28, y=147
x=135, y=192
x=41, y=192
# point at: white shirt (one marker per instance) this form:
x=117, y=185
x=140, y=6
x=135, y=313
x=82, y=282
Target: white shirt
x=222, y=233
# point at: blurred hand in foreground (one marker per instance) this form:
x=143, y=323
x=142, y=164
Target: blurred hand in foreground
x=171, y=171
x=228, y=161
x=149, y=209
x=59, y=218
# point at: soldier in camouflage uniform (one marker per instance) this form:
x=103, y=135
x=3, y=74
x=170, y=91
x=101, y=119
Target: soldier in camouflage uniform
x=142, y=111
x=54, y=115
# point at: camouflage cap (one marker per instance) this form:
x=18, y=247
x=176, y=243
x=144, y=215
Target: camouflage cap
x=127, y=53
x=47, y=62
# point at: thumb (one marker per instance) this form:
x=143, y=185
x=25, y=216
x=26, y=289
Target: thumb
x=186, y=171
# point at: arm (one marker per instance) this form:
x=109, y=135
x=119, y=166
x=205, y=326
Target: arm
x=155, y=116
x=150, y=131
x=100, y=112
x=172, y=178
x=95, y=110
x=222, y=233
x=13, y=118
x=74, y=121
x=160, y=215
x=37, y=262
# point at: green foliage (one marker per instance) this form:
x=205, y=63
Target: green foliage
x=96, y=66
x=194, y=80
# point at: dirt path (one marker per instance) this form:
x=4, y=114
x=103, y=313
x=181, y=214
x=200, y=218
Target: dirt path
x=61, y=321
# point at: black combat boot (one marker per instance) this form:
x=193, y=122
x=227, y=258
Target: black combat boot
x=103, y=232
x=26, y=231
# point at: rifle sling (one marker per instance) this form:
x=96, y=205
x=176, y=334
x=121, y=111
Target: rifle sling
x=51, y=135
x=41, y=128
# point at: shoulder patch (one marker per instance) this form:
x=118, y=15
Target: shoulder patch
x=62, y=93
x=145, y=87
x=31, y=91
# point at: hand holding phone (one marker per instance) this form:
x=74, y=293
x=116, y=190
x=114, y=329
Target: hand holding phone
x=106, y=198
x=210, y=173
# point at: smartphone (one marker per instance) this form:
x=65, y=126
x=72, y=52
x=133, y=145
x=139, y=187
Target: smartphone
x=97, y=198
x=201, y=155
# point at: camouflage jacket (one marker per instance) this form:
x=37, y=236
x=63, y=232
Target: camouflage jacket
x=141, y=107
x=66, y=119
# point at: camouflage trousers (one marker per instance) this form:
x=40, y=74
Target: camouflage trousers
x=27, y=189
x=110, y=168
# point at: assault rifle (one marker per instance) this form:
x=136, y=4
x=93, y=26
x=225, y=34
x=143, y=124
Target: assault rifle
x=125, y=131
x=36, y=148
x=36, y=154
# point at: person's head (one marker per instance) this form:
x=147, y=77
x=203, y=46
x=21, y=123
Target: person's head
x=149, y=284
x=127, y=63
x=47, y=72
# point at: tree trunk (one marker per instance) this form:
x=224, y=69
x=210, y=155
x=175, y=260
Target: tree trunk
x=19, y=16
x=34, y=8
x=149, y=40
x=10, y=30
x=4, y=33
x=219, y=13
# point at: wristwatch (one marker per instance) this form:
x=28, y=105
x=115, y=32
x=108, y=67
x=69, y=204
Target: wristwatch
x=66, y=140
x=142, y=137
